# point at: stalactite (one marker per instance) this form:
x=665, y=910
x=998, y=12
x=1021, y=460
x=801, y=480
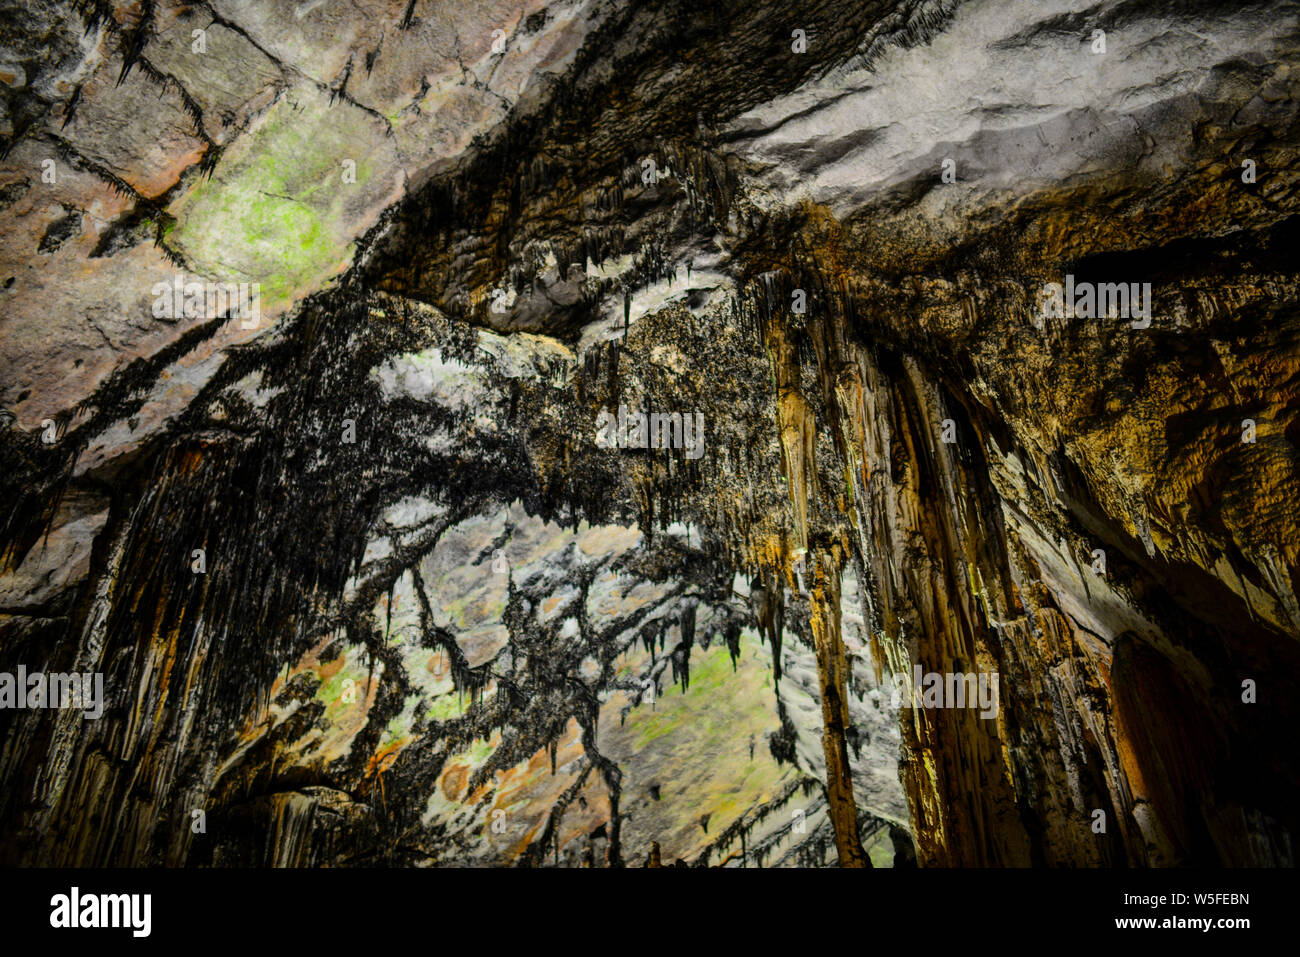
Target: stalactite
x=732, y=637
x=797, y=429
x=686, y=625
x=832, y=674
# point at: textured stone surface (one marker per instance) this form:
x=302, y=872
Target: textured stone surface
x=436, y=608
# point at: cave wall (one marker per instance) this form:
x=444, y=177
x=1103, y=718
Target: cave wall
x=921, y=466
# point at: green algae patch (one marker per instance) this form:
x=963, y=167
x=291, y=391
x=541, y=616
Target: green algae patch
x=279, y=209
x=398, y=729
x=881, y=849
x=479, y=751
x=447, y=706
x=692, y=749
x=345, y=691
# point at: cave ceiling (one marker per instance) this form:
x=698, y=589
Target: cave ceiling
x=571, y=434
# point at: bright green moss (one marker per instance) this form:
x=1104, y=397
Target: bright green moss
x=277, y=210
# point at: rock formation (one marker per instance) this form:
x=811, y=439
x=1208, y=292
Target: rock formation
x=543, y=434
